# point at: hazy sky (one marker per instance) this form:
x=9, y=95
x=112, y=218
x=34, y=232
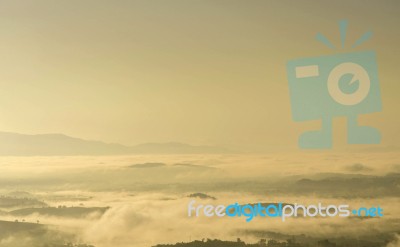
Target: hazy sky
x=201, y=72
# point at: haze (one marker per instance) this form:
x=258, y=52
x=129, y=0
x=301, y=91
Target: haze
x=199, y=72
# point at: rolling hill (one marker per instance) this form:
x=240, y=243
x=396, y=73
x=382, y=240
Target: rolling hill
x=13, y=144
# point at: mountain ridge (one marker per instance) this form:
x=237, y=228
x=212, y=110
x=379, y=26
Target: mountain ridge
x=56, y=144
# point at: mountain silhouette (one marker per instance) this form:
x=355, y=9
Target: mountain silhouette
x=13, y=144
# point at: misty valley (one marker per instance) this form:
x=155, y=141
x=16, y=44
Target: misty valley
x=142, y=200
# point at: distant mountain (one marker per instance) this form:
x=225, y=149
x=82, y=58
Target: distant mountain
x=13, y=144
x=338, y=186
x=176, y=147
x=70, y=212
x=7, y=202
x=148, y=165
x=201, y=196
x=54, y=144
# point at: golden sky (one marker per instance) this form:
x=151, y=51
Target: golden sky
x=201, y=72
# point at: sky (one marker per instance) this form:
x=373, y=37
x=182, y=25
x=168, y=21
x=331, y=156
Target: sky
x=199, y=72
